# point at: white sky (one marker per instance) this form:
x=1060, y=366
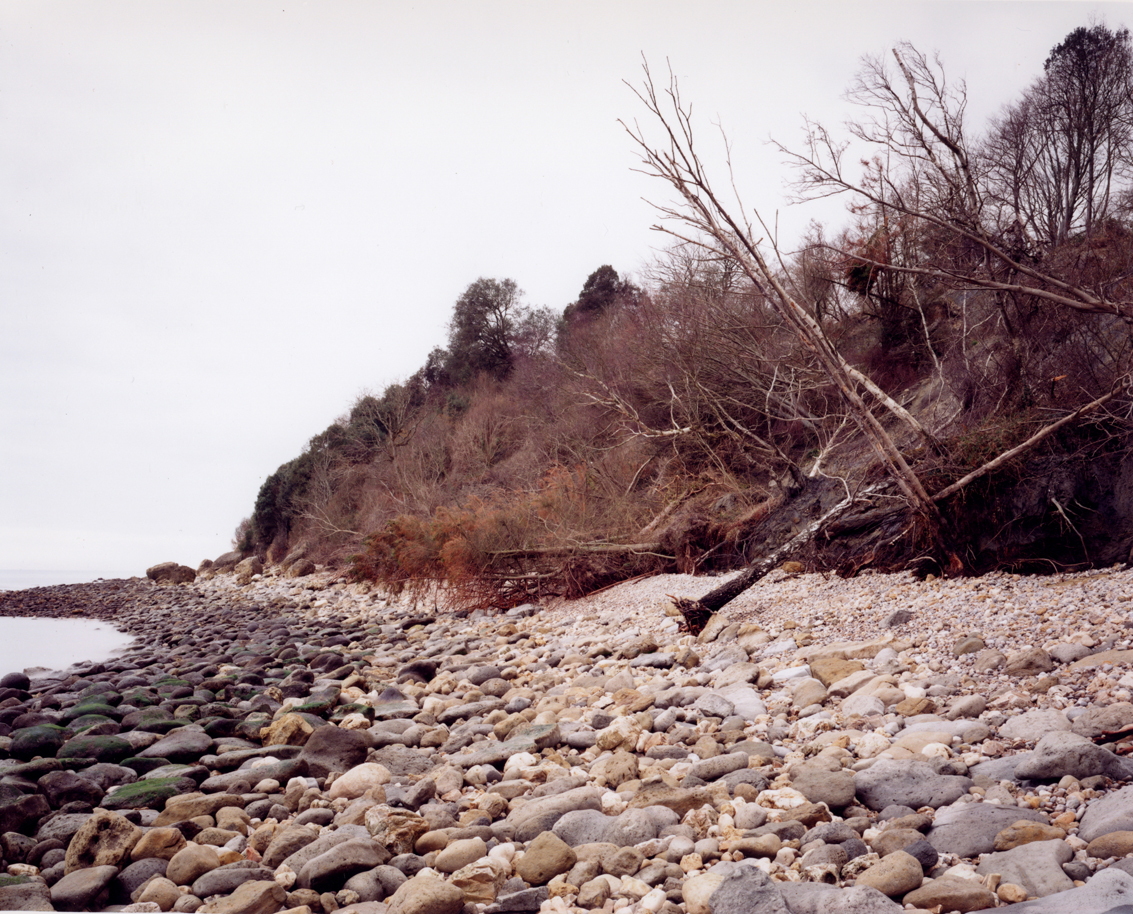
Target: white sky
x=220, y=222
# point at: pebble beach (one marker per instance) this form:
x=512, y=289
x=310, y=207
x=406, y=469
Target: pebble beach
x=826, y=746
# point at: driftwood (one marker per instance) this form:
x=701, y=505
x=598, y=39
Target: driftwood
x=696, y=613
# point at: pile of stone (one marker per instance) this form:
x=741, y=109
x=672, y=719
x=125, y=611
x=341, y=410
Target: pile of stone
x=306, y=746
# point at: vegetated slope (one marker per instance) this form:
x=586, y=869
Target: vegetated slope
x=687, y=425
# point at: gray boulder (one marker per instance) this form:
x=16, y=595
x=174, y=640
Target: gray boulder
x=818, y=898
x=1113, y=812
x=1036, y=866
x=1062, y=753
x=334, y=749
x=1034, y=725
x=1109, y=892
x=1104, y=719
x=969, y=829
x=902, y=782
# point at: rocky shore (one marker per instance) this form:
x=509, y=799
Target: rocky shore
x=825, y=747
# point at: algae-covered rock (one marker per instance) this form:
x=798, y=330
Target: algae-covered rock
x=150, y=793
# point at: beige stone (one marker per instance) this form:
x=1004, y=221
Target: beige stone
x=1027, y=832
x=460, y=853
x=159, y=890
x=1010, y=893
x=158, y=842
x=763, y=846
x=828, y=670
x=191, y=861
x=290, y=730
x=425, y=894
x=193, y=805
x=952, y=894
x=848, y=685
x=697, y=892
x=1115, y=844
x=894, y=874
x=105, y=839
x=258, y=897
x=358, y=780
x=396, y=830
x=547, y=856
x=613, y=770
x=480, y=881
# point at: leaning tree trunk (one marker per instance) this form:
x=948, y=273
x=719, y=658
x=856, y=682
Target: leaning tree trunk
x=696, y=613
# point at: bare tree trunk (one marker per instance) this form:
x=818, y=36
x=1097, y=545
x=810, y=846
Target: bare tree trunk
x=699, y=611
x=718, y=230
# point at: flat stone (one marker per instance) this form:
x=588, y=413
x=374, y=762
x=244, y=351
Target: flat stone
x=1102, y=719
x=907, y=783
x=970, y=829
x=1036, y=866
x=226, y=879
x=25, y=895
x=338, y=864
x=1034, y=725
x=1113, y=812
x=190, y=806
x=260, y=897
x=1060, y=753
x=83, y=889
x=952, y=893
x=1108, y=892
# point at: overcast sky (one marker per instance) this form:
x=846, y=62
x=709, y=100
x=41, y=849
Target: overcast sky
x=221, y=222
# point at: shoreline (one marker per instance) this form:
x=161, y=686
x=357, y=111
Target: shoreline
x=319, y=712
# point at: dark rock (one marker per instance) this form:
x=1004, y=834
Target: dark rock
x=334, y=749
x=83, y=890
x=22, y=814
x=148, y=794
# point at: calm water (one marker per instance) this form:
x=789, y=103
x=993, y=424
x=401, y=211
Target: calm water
x=55, y=644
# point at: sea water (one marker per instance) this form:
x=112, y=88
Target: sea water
x=54, y=644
